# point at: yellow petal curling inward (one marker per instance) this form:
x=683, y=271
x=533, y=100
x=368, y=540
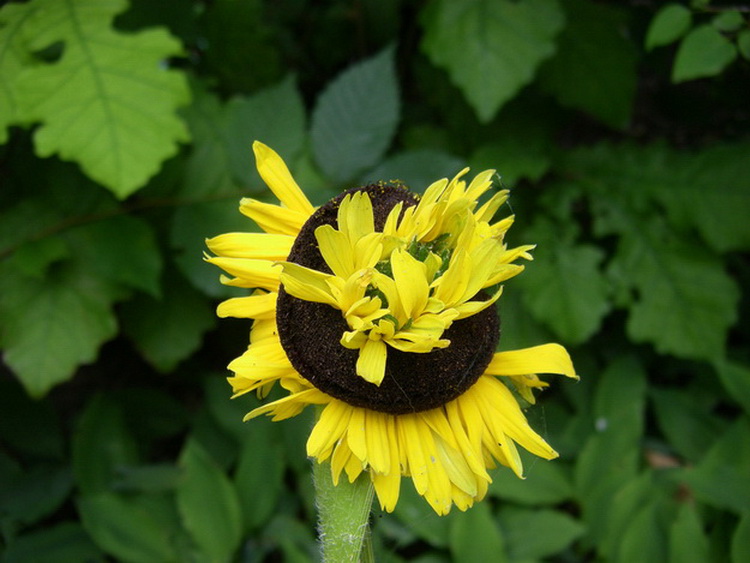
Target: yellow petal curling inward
x=276, y=175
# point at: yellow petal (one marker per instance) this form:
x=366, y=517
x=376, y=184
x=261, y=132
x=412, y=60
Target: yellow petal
x=411, y=283
x=251, y=245
x=336, y=251
x=249, y=271
x=546, y=358
x=260, y=306
x=329, y=428
x=371, y=361
x=304, y=283
x=272, y=218
x=276, y=175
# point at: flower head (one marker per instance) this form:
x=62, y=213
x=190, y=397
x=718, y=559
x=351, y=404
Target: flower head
x=378, y=306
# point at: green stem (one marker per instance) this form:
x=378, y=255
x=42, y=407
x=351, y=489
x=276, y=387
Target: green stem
x=343, y=515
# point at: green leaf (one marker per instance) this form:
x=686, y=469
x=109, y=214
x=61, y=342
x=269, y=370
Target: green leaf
x=101, y=444
x=120, y=249
x=743, y=43
x=535, y=534
x=50, y=326
x=594, y=69
x=34, y=494
x=475, y=536
x=669, y=24
x=131, y=528
x=27, y=426
x=645, y=539
x=260, y=473
x=703, y=52
x=155, y=478
x=520, y=155
x=168, y=330
x=736, y=380
x=14, y=57
x=687, y=301
x=687, y=424
x=720, y=479
x=208, y=504
x=544, y=483
x=687, y=540
x=741, y=539
x=355, y=117
x=420, y=519
x=108, y=103
x=417, y=169
x=66, y=542
x=728, y=21
x=490, y=48
x=564, y=286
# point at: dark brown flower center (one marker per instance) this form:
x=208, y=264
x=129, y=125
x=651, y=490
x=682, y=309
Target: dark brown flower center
x=310, y=334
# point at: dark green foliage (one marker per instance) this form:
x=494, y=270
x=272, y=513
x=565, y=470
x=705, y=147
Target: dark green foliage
x=126, y=131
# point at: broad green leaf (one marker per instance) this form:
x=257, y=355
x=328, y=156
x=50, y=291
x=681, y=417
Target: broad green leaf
x=155, y=478
x=522, y=154
x=120, y=249
x=169, y=329
x=109, y=102
x=476, y=536
x=669, y=24
x=131, y=528
x=416, y=515
x=736, y=380
x=720, y=479
x=14, y=56
x=31, y=427
x=490, y=48
x=355, y=117
x=260, y=473
x=153, y=414
x=101, y=443
x=276, y=117
x=703, y=52
x=208, y=504
x=645, y=539
x=519, y=328
x=34, y=494
x=687, y=540
x=65, y=542
x=741, y=539
x=743, y=43
x=728, y=21
x=686, y=423
x=544, y=483
x=564, y=286
x=687, y=301
x=417, y=169
x=50, y=326
x=594, y=69
x=533, y=534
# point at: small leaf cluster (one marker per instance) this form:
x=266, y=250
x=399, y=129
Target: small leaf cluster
x=126, y=126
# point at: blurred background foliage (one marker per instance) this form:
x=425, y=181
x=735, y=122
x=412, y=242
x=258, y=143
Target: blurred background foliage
x=623, y=129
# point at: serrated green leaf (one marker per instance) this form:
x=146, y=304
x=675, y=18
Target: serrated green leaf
x=208, y=504
x=66, y=542
x=687, y=540
x=703, y=52
x=564, y=286
x=50, y=326
x=720, y=479
x=355, y=117
x=108, y=103
x=120, y=249
x=168, y=330
x=534, y=534
x=687, y=301
x=741, y=540
x=736, y=380
x=490, y=48
x=669, y=24
x=475, y=536
x=594, y=69
x=14, y=56
x=417, y=169
x=131, y=528
x=101, y=443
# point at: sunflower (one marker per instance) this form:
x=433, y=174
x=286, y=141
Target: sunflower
x=379, y=307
